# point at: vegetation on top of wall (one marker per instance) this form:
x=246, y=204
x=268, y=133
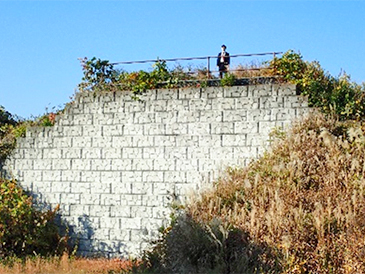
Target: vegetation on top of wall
x=332, y=95
x=12, y=127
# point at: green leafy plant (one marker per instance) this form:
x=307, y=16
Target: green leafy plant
x=25, y=230
x=96, y=73
x=228, y=79
x=332, y=95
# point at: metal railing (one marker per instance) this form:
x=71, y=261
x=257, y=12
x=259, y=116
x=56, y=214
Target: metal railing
x=207, y=58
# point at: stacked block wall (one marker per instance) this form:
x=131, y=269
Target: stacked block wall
x=114, y=164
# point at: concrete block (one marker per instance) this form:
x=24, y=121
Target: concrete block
x=189, y=93
x=238, y=92
x=31, y=153
x=98, y=188
x=143, y=141
x=153, y=153
x=119, y=234
x=187, y=165
x=83, y=119
x=104, y=141
x=142, y=188
x=80, y=164
x=42, y=164
x=144, y=118
x=246, y=127
x=123, y=118
x=260, y=90
x=131, y=176
x=234, y=116
x=103, y=119
x=91, y=153
x=188, y=140
x=156, y=106
x=209, y=116
x=56, y=142
x=70, y=198
x=161, y=164
x=176, y=129
x=177, y=105
x=124, y=187
x=49, y=142
x=111, y=153
x=215, y=92
x=210, y=141
x=224, y=153
x=154, y=129
x=51, y=175
x=224, y=104
x=152, y=176
x=130, y=223
x=93, y=130
x=174, y=176
x=91, y=199
x=167, y=94
x=112, y=107
x=97, y=210
x=185, y=116
x=110, y=199
x=198, y=152
x=166, y=117
x=234, y=140
x=198, y=129
x=165, y=141
x=61, y=164
x=133, y=152
x=200, y=104
x=222, y=128
x=121, y=141
x=90, y=176
x=142, y=164
x=78, y=187
x=135, y=106
x=78, y=142
x=176, y=153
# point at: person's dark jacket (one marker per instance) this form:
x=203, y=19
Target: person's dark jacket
x=227, y=59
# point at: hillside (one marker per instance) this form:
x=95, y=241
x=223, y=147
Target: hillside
x=298, y=209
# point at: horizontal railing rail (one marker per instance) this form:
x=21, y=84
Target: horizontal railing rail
x=207, y=58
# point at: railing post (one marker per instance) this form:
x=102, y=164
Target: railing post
x=208, y=66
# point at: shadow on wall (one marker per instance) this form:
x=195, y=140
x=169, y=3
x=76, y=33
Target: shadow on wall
x=84, y=240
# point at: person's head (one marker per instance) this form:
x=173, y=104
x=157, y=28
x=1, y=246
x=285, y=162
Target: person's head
x=223, y=47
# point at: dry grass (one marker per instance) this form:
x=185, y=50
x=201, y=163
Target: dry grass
x=305, y=199
x=65, y=265
x=252, y=70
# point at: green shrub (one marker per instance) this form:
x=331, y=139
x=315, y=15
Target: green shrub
x=25, y=230
x=331, y=95
x=229, y=79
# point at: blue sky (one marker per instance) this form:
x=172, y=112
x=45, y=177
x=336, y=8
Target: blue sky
x=41, y=41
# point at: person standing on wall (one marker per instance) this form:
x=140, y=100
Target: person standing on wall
x=223, y=61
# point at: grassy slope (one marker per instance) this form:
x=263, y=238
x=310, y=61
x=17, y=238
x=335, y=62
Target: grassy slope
x=298, y=209
x=304, y=199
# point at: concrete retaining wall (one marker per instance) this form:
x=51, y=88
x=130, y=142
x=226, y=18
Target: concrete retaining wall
x=115, y=164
